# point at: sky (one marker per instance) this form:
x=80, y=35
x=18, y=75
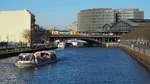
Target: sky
x=62, y=13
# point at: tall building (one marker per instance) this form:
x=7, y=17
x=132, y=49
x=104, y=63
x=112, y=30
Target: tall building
x=14, y=23
x=93, y=20
x=124, y=14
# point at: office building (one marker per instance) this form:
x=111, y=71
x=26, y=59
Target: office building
x=124, y=14
x=93, y=20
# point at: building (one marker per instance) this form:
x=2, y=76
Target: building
x=93, y=20
x=39, y=34
x=14, y=23
x=124, y=26
x=124, y=14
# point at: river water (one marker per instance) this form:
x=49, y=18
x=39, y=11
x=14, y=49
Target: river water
x=79, y=66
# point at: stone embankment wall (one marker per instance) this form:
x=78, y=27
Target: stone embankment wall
x=140, y=54
x=141, y=57
x=26, y=51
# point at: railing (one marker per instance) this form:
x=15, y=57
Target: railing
x=138, y=46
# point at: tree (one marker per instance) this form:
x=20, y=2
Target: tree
x=38, y=35
x=27, y=35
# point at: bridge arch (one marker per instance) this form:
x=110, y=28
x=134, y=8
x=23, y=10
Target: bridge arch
x=92, y=42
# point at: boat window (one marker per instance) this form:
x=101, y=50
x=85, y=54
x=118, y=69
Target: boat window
x=24, y=58
x=44, y=55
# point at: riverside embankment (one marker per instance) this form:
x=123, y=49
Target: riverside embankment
x=137, y=52
x=14, y=52
x=141, y=58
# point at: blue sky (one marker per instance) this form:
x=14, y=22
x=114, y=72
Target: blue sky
x=62, y=13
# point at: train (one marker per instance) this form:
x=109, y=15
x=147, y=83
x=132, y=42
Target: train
x=56, y=32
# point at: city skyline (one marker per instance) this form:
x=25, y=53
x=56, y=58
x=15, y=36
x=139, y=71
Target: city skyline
x=62, y=13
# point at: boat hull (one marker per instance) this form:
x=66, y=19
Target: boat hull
x=24, y=64
x=45, y=61
x=36, y=59
x=33, y=64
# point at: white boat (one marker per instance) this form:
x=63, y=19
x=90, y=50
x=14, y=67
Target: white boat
x=35, y=59
x=61, y=45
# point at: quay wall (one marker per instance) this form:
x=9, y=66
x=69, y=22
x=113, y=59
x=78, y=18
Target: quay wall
x=111, y=45
x=26, y=51
x=140, y=57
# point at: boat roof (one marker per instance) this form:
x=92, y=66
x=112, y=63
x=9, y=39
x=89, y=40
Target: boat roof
x=25, y=54
x=48, y=52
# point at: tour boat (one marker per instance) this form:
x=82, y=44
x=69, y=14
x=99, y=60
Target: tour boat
x=61, y=45
x=35, y=59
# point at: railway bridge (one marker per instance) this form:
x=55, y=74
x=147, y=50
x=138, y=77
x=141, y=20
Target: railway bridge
x=90, y=39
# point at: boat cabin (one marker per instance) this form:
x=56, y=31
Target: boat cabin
x=25, y=56
x=43, y=54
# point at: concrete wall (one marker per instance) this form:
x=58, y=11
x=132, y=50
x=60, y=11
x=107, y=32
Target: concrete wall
x=12, y=25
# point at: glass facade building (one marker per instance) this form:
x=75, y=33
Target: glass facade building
x=93, y=20
x=130, y=14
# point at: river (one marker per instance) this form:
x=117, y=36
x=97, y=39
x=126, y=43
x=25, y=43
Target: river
x=79, y=66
